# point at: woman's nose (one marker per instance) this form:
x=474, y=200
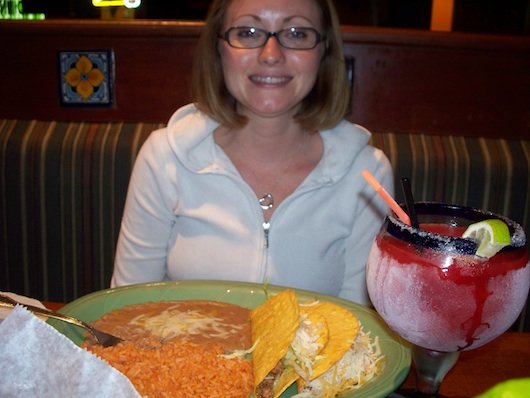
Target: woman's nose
x=272, y=51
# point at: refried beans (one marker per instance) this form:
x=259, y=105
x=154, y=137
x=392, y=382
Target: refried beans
x=196, y=321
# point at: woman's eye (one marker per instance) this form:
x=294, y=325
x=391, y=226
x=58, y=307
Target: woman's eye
x=248, y=33
x=296, y=34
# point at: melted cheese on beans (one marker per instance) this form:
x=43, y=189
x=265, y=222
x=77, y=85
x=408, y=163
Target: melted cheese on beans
x=197, y=321
x=173, y=323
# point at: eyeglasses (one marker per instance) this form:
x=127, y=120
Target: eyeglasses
x=292, y=38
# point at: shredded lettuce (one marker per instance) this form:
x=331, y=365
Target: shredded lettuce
x=305, y=347
x=360, y=364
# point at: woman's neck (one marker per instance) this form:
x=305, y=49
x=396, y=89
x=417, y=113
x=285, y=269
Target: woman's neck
x=273, y=159
x=263, y=141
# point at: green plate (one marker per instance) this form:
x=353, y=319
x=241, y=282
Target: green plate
x=94, y=305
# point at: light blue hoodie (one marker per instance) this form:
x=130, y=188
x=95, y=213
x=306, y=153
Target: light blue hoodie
x=190, y=215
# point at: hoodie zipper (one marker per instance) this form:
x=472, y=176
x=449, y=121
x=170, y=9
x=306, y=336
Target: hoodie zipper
x=266, y=225
x=266, y=228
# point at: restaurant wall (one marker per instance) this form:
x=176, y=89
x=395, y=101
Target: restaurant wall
x=402, y=80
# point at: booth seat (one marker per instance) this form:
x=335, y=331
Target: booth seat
x=63, y=188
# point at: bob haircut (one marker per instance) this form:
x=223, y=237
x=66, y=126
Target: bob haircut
x=324, y=106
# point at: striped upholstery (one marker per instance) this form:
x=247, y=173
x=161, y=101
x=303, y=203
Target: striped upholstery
x=491, y=174
x=63, y=186
x=62, y=190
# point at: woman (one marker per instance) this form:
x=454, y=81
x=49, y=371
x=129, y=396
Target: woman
x=260, y=179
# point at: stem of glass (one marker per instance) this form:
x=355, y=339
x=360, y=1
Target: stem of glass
x=431, y=368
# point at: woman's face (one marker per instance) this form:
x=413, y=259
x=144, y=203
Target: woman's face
x=272, y=80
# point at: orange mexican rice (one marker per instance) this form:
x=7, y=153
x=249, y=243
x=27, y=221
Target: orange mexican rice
x=179, y=369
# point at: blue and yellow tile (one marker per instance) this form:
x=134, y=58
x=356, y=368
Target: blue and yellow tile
x=86, y=77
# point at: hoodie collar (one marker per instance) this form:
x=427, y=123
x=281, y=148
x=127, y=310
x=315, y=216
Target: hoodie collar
x=190, y=136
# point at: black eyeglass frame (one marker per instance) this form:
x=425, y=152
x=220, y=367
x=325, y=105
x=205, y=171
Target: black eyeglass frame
x=319, y=36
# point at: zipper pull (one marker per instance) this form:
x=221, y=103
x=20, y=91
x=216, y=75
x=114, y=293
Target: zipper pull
x=266, y=227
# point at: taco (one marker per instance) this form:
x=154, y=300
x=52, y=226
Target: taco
x=312, y=344
x=361, y=363
x=287, y=340
x=349, y=360
x=273, y=327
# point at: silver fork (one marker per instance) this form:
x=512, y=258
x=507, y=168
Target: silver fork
x=101, y=338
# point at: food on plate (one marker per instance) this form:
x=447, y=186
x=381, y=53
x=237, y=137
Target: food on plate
x=177, y=348
x=198, y=321
x=179, y=368
x=328, y=354
x=273, y=326
x=343, y=329
x=361, y=363
x=206, y=348
x=311, y=337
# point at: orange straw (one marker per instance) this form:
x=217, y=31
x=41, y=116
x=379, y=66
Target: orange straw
x=386, y=197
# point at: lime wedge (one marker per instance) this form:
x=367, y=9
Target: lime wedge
x=491, y=235
x=514, y=388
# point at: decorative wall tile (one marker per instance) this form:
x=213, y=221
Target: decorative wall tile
x=86, y=77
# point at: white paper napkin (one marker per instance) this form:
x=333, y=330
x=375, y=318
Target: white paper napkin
x=38, y=361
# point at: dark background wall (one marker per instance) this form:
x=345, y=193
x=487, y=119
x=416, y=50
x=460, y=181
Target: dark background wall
x=483, y=16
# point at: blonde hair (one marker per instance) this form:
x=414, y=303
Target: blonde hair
x=324, y=106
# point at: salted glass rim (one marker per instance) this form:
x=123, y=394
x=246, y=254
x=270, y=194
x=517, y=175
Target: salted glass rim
x=433, y=240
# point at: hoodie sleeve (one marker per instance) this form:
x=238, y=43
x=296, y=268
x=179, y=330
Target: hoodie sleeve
x=148, y=217
x=370, y=213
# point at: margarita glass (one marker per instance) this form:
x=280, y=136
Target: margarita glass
x=431, y=289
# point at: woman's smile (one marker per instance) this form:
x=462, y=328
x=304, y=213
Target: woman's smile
x=270, y=80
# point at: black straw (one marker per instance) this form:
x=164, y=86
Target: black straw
x=409, y=201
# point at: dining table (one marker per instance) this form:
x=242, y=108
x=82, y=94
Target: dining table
x=504, y=358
